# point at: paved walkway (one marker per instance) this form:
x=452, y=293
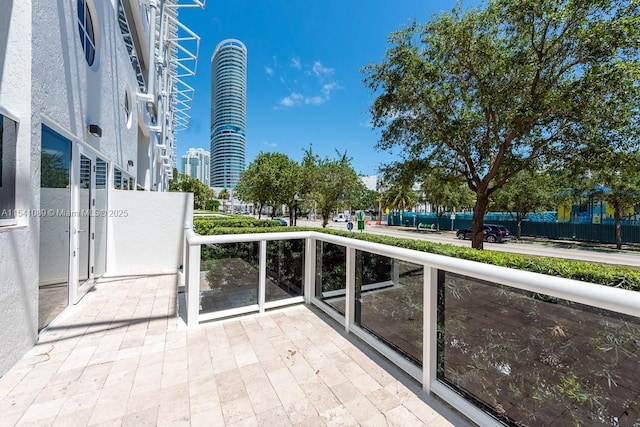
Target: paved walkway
x=121, y=357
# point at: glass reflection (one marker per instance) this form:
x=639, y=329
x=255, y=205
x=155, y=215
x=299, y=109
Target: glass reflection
x=331, y=278
x=389, y=302
x=285, y=269
x=229, y=276
x=531, y=359
x=55, y=197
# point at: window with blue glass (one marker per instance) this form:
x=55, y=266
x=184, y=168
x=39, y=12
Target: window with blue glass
x=86, y=30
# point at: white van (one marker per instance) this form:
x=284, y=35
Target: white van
x=343, y=217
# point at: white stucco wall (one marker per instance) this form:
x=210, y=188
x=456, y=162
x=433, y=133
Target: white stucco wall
x=146, y=231
x=44, y=78
x=18, y=244
x=72, y=94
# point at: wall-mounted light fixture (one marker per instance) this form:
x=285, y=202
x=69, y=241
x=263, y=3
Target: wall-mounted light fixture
x=130, y=163
x=95, y=130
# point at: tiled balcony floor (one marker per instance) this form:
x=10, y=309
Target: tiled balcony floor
x=121, y=358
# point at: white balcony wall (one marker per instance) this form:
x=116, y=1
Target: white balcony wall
x=19, y=243
x=146, y=231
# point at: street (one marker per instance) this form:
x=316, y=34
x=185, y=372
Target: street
x=527, y=247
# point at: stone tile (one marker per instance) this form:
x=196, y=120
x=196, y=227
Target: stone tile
x=383, y=399
x=363, y=410
x=78, y=418
x=212, y=417
x=285, y=385
x=338, y=416
x=237, y=410
x=128, y=365
x=230, y=386
x=402, y=417
x=301, y=412
x=145, y=417
x=42, y=412
x=346, y=392
x=273, y=417
x=427, y=415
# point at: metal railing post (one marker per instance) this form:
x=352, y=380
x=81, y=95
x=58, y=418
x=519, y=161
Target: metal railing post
x=309, y=268
x=429, y=327
x=193, y=285
x=350, y=291
x=262, y=280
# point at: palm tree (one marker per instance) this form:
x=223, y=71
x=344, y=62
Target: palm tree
x=224, y=195
x=399, y=198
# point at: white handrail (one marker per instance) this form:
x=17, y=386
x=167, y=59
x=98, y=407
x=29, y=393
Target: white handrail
x=606, y=297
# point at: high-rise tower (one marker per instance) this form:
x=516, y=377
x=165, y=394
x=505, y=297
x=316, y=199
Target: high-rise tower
x=228, y=112
x=196, y=163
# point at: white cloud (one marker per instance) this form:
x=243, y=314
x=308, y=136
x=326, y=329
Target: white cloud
x=295, y=63
x=320, y=79
x=291, y=100
x=329, y=87
x=320, y=70
x=269, y=144
x=316, y=100
x=269, y=70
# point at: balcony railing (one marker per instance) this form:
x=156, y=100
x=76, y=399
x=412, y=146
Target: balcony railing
x=502, y=346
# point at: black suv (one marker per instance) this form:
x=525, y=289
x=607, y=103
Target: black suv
x=492, y=233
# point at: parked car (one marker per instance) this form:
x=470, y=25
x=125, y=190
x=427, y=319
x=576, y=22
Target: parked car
x=282, y=221
x=492, y=233
x=343, y=217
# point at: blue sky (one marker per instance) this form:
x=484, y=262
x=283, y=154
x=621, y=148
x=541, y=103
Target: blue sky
x=304, y=85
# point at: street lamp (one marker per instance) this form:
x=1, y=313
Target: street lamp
x=295, y=207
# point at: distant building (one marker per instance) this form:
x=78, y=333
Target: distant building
x=371, y=182
x=196, y=163
x=228, y=112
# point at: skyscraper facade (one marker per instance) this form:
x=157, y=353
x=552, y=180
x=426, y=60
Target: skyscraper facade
x=228, y=112
x=196, y=163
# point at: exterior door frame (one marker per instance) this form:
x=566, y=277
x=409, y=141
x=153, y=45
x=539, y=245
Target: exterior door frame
x=78, y=289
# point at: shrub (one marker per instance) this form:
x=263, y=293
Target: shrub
x=604, y=274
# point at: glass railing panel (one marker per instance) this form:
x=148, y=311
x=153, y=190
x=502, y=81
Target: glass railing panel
x=229, y=276
x=285, y=269
x=389, y=302
x=331, y=275
x=531, y=359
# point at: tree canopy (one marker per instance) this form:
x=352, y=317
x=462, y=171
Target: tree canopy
x=485, y=92
x=185, y=183
x=272, y=179
x=330, y=182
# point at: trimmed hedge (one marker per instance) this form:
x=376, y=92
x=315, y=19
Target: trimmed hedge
x=207, y=225
x=624, y=277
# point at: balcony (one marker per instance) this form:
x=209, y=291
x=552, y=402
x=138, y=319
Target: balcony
x=123, y=357
x=307, y=328
x=501, y=346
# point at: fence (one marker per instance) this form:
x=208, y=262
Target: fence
x=500, y=345
x=586, y=232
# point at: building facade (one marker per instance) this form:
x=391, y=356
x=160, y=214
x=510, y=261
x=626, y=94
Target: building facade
x=82, y=119
x=228, y=112
x=196, y=163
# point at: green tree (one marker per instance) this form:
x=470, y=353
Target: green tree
x=486, y=92
x=445, y=191
x=400, y=197
x=187, y=184
x=330, y=182
x=272, y=179
x=619, y=180
x=529, y=191
x=54, y=171
x=364, y=199
x=224, y=195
